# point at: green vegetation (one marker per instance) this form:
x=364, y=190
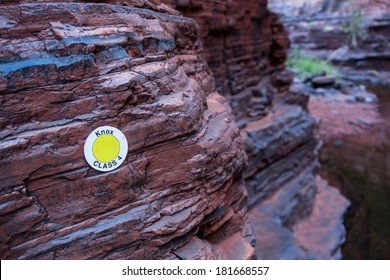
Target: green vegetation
x=306, y=66
x=355, y=28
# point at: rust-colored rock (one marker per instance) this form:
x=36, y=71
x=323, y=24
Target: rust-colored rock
x=246, y=48
x=323, y=81
x=65, y=71
x=245, y=44
x=317, y=236
x=180, y=193
x=338, y=7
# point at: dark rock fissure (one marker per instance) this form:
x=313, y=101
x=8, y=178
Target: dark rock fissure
x=354, y=109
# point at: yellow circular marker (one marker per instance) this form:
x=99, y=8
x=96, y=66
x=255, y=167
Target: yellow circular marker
x=105, y=148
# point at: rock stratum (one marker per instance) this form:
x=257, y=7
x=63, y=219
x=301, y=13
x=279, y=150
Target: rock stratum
x=67, y=68
x=290, y=8
x=65, y=71
x=246, y=47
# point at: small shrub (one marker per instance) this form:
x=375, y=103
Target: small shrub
x=355, y=28
x=306, y=66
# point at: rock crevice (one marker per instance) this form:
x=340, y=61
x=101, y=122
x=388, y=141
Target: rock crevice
x=246, y=47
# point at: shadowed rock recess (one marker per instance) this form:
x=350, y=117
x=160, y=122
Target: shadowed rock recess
x=67, y=68
x=295, y=215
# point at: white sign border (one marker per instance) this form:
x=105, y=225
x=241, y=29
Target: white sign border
x=123, y=148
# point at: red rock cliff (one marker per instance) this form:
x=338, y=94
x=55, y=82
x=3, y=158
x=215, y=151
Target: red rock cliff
x=67, y=68
x=180, y=194
x=246, y=47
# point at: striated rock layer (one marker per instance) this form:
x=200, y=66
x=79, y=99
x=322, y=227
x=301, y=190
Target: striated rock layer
x=246, y=47
x=290, y=8
x=244, y=44
x=67, y=68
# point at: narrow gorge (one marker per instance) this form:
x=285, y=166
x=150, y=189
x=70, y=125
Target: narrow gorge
x=351, y=38
x=222, y=153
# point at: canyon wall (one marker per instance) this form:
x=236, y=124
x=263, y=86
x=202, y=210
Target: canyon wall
x=246, y=47
x=356, y=40
x=336, y=7
x=356, y=152
x=64, y=72
x=181, y=192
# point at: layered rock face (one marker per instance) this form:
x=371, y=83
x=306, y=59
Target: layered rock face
x=67, y=68
x=353, y=36
x=71, y=67
x=314, y=7
x=246, y=47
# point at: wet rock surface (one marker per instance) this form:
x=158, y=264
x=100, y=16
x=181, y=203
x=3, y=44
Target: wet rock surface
x=355, y=159
x=317, y=236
